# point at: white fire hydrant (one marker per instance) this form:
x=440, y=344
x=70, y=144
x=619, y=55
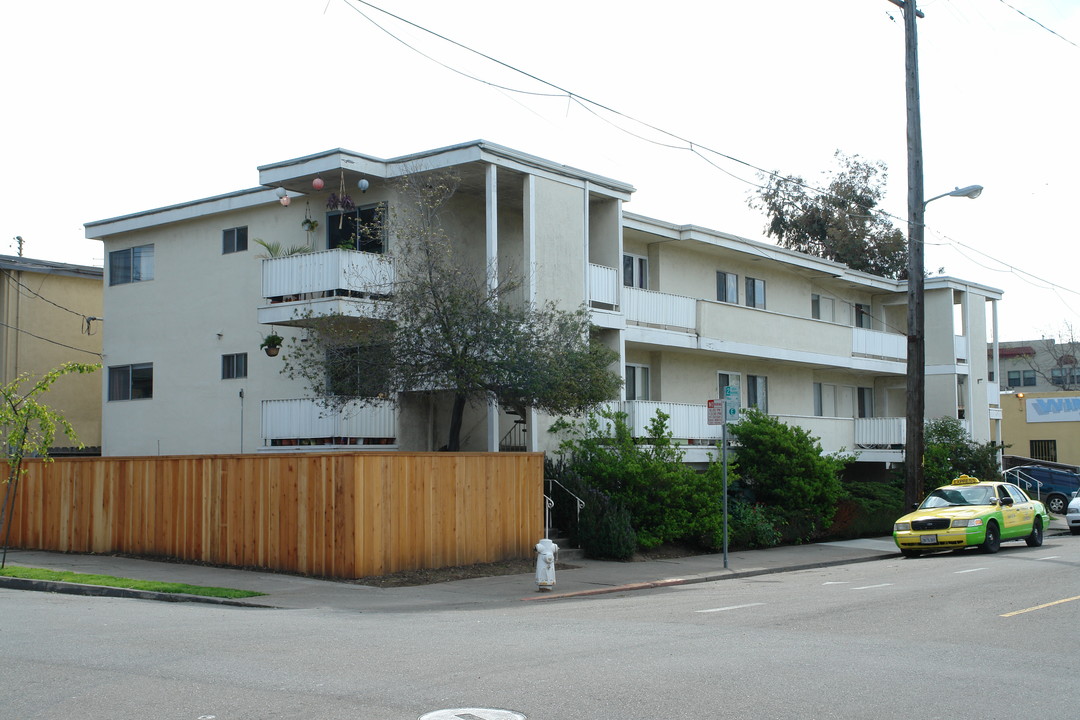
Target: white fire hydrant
x=546, y=553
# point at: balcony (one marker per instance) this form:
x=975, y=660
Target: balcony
x=880, y=439
x=298, y=423
x=689, y=423
x=343, y=282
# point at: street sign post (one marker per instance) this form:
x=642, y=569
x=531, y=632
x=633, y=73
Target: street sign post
x=728, y=411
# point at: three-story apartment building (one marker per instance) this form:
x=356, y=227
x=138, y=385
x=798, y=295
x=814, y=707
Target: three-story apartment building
x=691, y=312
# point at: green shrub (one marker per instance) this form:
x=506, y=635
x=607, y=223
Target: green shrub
x=868, y=509
x=667, y=500
x=951, y=452
x=606, y=531
x=784, y=467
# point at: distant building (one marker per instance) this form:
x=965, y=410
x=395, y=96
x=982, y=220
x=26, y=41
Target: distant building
x=694, y=314
x=1035, y=366
x=50, y=313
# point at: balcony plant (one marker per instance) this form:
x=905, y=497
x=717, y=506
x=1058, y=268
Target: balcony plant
x=309, y=224
x=271, y=344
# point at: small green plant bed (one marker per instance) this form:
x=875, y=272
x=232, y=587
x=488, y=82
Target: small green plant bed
x=29, y=573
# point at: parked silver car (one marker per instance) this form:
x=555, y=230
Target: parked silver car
x=1072, y=515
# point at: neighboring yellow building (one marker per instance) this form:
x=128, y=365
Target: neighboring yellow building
x=1043, y=426
x=50, y=313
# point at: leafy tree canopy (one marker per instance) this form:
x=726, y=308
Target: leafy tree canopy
x=841, y=222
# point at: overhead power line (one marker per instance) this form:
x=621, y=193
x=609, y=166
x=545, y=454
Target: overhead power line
x=1052, y=32
x=595, y=108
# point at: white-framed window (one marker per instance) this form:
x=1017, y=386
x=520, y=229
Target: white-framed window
x=822, y=307
x=131, y=382
x=1064, y=376
x=637, y=382
x=757, y=392
x=755, y=293
x=234, y=366
x=234, y=240
x=131, y=265
x=635, y=271
x=863, y=318
x=727, y=287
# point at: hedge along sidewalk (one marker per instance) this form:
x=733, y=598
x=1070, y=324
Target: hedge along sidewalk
x=65, y=581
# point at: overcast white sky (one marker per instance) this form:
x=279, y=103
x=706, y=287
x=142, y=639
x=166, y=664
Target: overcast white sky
x=114, y=107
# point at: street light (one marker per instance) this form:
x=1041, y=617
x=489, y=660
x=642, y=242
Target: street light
x=914, y=442
x=971, y=191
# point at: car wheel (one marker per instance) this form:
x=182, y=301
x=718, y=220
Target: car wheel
x=1056, y=504
x=992, y=542
x=1035, y=539
x=1075, y=530
x=910, y=553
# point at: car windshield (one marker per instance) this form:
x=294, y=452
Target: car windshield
x=951, y=496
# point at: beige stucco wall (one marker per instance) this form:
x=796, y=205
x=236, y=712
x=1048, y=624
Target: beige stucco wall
x=38, y=336
x=560, y=212
x=200, y=305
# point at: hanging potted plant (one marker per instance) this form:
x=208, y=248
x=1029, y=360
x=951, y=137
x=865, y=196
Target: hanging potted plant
x=271, y=344
x=309, y=224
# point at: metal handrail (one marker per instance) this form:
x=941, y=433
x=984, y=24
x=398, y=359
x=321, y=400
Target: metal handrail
x=548, y=504
x=580, y=502
x=1027, y=480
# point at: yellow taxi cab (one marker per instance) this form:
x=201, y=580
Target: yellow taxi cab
x=970, y=513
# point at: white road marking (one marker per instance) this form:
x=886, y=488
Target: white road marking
x=730, y=607
x=837, y=582
x=871, y=587
x=1050, y=557
x=961, y=572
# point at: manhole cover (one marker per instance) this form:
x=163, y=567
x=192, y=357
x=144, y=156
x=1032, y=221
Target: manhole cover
x=473, y=714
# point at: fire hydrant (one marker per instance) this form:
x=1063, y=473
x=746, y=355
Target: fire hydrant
x=546, y=553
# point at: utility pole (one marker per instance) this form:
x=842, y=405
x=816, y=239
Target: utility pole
x=916, y=317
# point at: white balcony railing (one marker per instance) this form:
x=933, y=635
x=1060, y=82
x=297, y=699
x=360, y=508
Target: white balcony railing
x=874, y=343
x=881, y=432
x=686, y=421
x=603, y=284
x=656, y=308
x=327, y=273
x=306, y=422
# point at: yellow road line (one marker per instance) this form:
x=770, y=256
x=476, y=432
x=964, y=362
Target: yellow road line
x=1040, y=607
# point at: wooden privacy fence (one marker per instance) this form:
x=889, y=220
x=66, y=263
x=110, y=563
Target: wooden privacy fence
x=328, y=515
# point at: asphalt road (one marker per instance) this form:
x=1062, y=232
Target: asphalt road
x=945, y=636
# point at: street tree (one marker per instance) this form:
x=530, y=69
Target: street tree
x=842, y=222
x=443, y=323
x=29, y=427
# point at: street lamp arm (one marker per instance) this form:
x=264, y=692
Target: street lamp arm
x=971, y=191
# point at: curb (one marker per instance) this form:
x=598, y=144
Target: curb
x=65, y=588
x=731, y=575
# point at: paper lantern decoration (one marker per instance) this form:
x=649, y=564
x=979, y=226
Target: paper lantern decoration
x=285, y=201
x=363, y=185
x=317, y=183
x=281, y=192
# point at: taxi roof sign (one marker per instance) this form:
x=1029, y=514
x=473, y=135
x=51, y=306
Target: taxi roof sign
x=965, y=480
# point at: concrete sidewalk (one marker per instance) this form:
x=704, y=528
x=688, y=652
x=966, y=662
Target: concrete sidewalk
x=586, y=578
